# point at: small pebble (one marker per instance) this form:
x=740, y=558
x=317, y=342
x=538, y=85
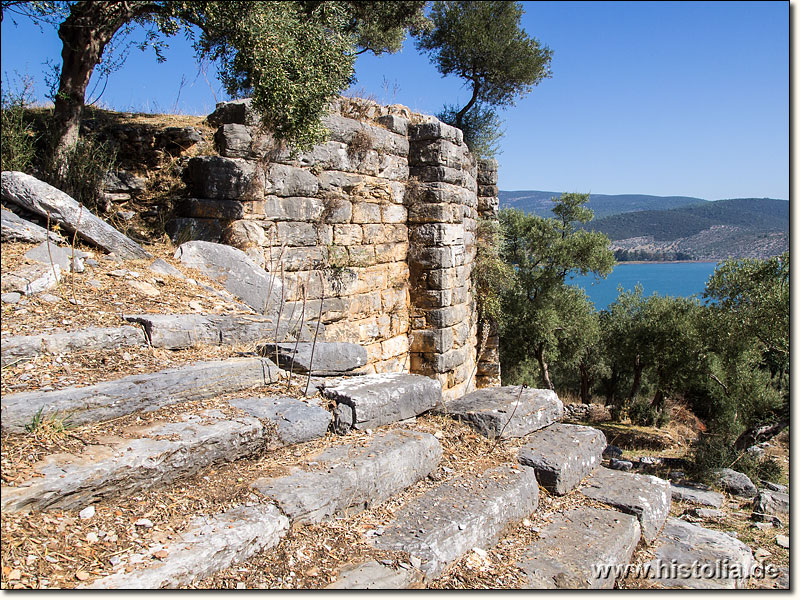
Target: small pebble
x=87, y=513
x=91, y=537
x=11, y=297
x=147, y=523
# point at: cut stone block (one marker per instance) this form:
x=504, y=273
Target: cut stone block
x=374, y=400
x=694, y=495
x=693, y=557
x=372, y=575
x=329, y=358
x=146, y=392
x=770, y=504
x=646, y=497
x=505, y=412
x=454, y=517
x=573, y=550
x=121, y=466
x=185, y=331
x=32, y=279
x=208, y=545
x=562, y=455
x=43, y=199
x=90, y=339
x=297, y=421
x=236, y=271
x=53, y=254
x=353, y=477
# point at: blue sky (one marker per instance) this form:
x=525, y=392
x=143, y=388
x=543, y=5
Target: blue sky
x=663, y=98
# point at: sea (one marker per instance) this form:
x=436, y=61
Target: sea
x=681, y=279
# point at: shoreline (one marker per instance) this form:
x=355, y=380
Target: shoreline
x=662, y=262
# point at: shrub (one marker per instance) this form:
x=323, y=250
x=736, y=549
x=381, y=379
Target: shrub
x=18, y=137
x=641, y=412
x=482, y=129
x=86, y=166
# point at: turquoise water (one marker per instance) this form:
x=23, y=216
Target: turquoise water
x=665, y=279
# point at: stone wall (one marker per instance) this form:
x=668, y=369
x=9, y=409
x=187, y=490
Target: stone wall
x=379, y=221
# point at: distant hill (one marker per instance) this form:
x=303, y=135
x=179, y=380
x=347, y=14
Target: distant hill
x=603, y=205
x=736, y=228
x=645, y=227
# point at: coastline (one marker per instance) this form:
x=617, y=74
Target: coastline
x=662, y=262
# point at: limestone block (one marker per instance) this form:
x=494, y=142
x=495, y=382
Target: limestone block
x=440, y=153
x=336, y=210
x=436, y=213
x=374, y=233
x=372, y=575
x=573, y=548
x=236, y=111
x=394, y=123
x=244, y=234
x=374, y=400
x=437, y=234
x=563, y=455
x=392, y=167
x=293, y=208
x=184, y=229
x=343, y=129
x=285, y=180
x=200, y=208
x=347, y=235
x=304, y=258
x=366, y=212
x=487, y=171
x=435, y=130
x=396, y=232
x=394, y=213
x=391, y=252
x=441, y=192
x=395, y=346
x=490, y=410
x=362, y=256
x=769, y=504
x=735, y=482
x=696, y=495
x=233, y=140
x=449, y=360
x=297, y=234
x=15, y=228
x=220, y=178
x=393, y=300
x=446, y=317
x=337, y=181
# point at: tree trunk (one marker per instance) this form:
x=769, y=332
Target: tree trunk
x=611, y=387
x=638, y=367
x=459, y=120
x=759, y=433
x=545, y=369
x=585, y=384
x=84, y=35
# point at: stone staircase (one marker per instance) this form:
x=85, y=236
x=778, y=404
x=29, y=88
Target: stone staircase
x=357, y=447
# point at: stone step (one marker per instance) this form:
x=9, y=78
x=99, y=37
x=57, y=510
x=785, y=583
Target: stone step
x=646, y=497
x=372, y=575
x=696, y=495
x=208, y=545
x=187, y=330
x=470, y=510
x=144, y=457
x=90, y=339
x=352, y=477
x=562, y=455
x=146, y=392
x=370, y=401
x=693, y=557
x=573, y=550
x=325, y=359
x=507, y=411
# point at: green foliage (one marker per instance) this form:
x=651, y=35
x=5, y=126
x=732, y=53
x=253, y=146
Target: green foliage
x=481, y=126
x=87, y=163
x=483, y=43
x=50, y=426
x=642, y=412
x=18, y=137
x=539, y=307
x=490, y=274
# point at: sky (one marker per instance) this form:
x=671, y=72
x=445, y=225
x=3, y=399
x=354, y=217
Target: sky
x=661, y=98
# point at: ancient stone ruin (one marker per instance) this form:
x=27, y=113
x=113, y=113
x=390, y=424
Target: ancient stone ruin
x=380, y=221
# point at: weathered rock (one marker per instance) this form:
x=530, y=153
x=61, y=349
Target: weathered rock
x=681, y=544
x=233, y=140
x=32, y=279
x=612, y=451
x=162, y=267
x=185, y=331
x=736, y=483
x=208, y=545
x=236, y=271
x=372, y=575
x=562, y=455
x=620, y=465
x=375, y=400
x=124, y=182
x=775, y=487
x=182, y=230
x=145, y=392
x=43, y=199
x=507, y=411
x=573, y=551
x=329, y=358
x=644, y=496
x=709, y=513
x=90, y=339
x=174, y=139
x=235, y=111
x=450, y=519
x=695, y=495
x=768, y=504
x=121, y=466
x=782, y=541
x=16, y=229
x=354, y=476
x=11, y=297
x=296, y=421
x=53, y=254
